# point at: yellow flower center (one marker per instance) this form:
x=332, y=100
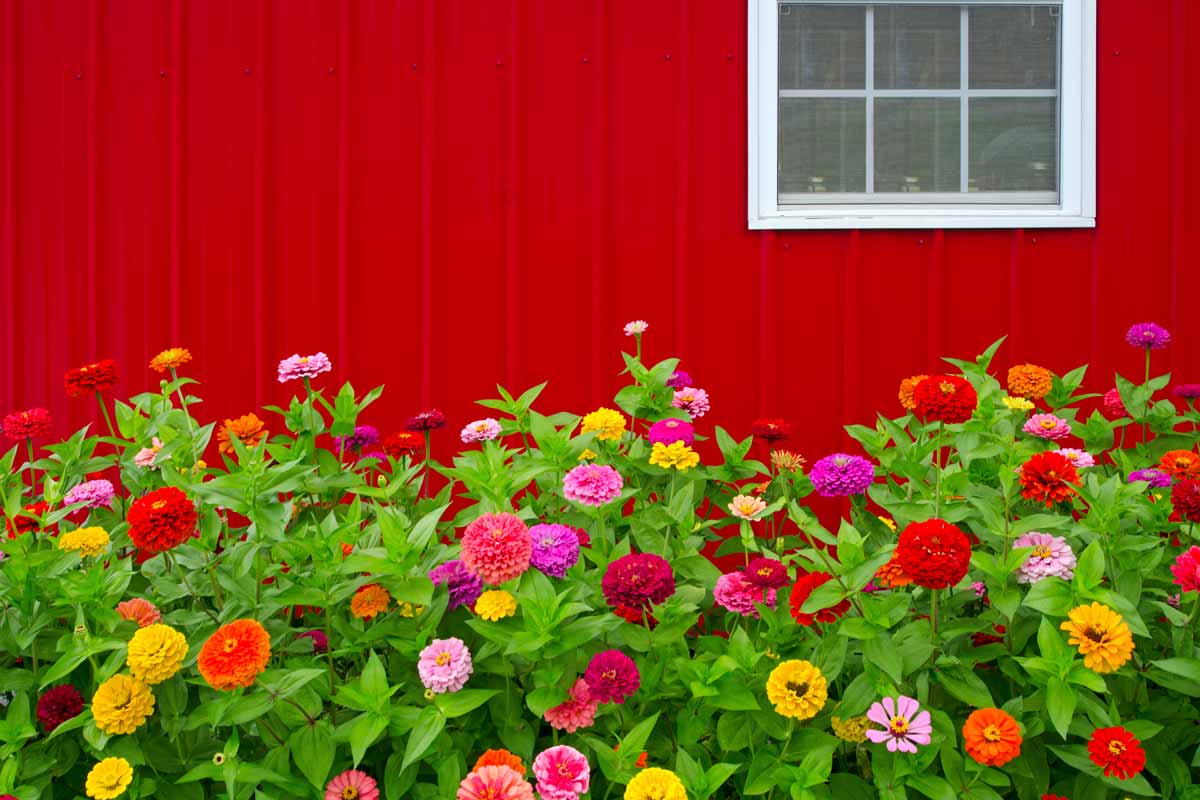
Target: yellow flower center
x=764, y=572
x=898, y=726
x=230, y=644
x=609, y=674
x=1116, y=748
x=489, y=794
x=1042, y=551
x=992, y=733
x=564, y=769
x=948, y=388
x=1048, y=424
x=304, y=360
x=158, y=504
x=349, y=793
x=497, y=532
x=443, y=659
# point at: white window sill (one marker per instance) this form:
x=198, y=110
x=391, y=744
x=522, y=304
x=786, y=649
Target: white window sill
x=829, y=219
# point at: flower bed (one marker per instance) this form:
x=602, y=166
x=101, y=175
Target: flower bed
x=1008, y=610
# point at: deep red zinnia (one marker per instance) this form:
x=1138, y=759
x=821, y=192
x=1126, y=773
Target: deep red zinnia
x=57, y=705
x=804, y=586
x=934, y=553
x=1047, y=478
x=1185, y=499
x=162, y=520
x=636, y=616
x=638, y=581
x=404, y=443
x=27, y=520
x=1117, y=751
x=944, y=398
x=32, y=423
x=426, y=421
x=1052, y=797
x=611, y=676
x=766, y=573
x=98, y=377
x=770, y=430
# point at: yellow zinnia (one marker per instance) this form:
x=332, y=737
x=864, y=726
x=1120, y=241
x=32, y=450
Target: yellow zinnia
x=586, y=455
x=495, y=604
x=407, y=609
x=798, y=689
x=122, y=704
x=1101, y=635
x=155, y=653
x=1017, y=403
x=85, y=541
x=171, y=358
x=609, y=423
x=655, y=784
x=109, y=778
x=853, y=729
x=676, y=454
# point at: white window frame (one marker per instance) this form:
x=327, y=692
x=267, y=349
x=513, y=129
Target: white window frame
x=1076, y=205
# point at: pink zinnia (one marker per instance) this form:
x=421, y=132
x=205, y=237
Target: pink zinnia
x=481, y=430
x=592, y=484
x=145, y=456
x=1047, y=426
x=637, y=327
x=495, y=782
x=352, y=784
x=1080, y=458
x=445, y=665
x=669, y=431
x=578, y=712
x=496, y=547
x=734, y=592
x=1114, y=406
x=562, y=773
x=611, y=676
x=92, y=494
x=1186, y=570
x=903, y=727
x=297, y=366
x=1052, y=557
x=692, y=400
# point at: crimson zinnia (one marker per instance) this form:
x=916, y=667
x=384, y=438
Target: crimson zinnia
x=404, y=443
x=1185, y=498
x=30, y=424
x=57, y=705
x=98, y=377
x=638, y=581
x=1117, y=751
x=1047, y=478
x=944, y=398
x=934, y=553
x=161, y=520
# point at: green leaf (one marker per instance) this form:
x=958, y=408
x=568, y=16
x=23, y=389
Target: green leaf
x=429, y=724
x=931, y=786
x=455, y=704
x=1050, y=596
x=966, y=686
x=313, y=749
x=1183, y=667
x=1060, y=704
x=423, y=531
x=635, y=741
x=882, y=653
x=365, y=731
x=1090, y=570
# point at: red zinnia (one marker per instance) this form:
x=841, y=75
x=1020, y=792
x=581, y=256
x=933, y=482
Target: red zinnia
x=57, y=705
x=979, y=638
x=638, y=581
x=1185, y=497
x=934, y=553
x=1052, y=797
x=163, y=519
x=404, y=443
x=636, y=616
x=945, y=398
x=98, y=377
x=803, y=587
x=1117, y=751
x=770, y=430
x=1046, y=478
x=27, y=519
x=30, y=424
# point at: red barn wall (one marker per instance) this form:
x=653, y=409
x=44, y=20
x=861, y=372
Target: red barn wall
x=445, y=194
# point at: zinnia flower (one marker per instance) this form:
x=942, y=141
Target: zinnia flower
x=143, y=612
x=1113, y=405
x=1051, y=557
x=464, y=587
x=1185, y=499
x=1186, y=570
x=852, y=730
x=562, y=773
x=555, y=549
x=145, y=456
x=363, y=436
x=495, y=604
x=108, y=779
x=1080, y=458
x=1016, y=403
x=842, y=475
x=1148, y=335
x=352, y=784
x=87, y=542
x=98, y=377
x=786, y=461
x=904, y=725
x=892, y=575
x=156, y=653
x=57, y=705
x=1188, y=391
x=611, y=676
x=934, y=553
x=991, y=737
x=803, y=587
x=637, y=327
x=297, y=367
x=494, y=782
x=679, y=380
x=445, y=665
x=93, y=494
x=320, y=642
x=122, y=704
x=235, y=655
x=426, y=421
x=747, y=507
x=497, y=547
x=608, y=424
x=692, y=400
x=161, y=520
x=405, y=443
x=500, y=758
x=766, y=573
x=249, y=430
x=1117, y=751
x=1047, y=426
x=797, y=689
x=1047, y=478
x=1156, y=478
x=1180, y=464
x=592, y=484
x=677, y=455
x=481, y=430
x=33, y=423
x=945, y=398
x=655, y=784
x=734, y=592
x=370, y=601
x=1030, y=381
x=669, y=431
x=770, y=430
x=579, y=711
x=1101, y=635
x=638, y=580
x=907, y=387
x=171, y=358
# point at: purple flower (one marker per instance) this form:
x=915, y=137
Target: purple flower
x=92, y=493
x=555, y=549
x=592, y=484
x=841, y=475
x=1149, y=335
x=319, y=641
x=298, y=366
x=692, y=400
x=679, y=380
x=979, y=588
x=669, y=431
x=903, y=727
x=464, y=587
x=1051, y=557
x=611, y=676
x=425, y=421
x=363, y=436
x=1188, y=391
x=1156, y=478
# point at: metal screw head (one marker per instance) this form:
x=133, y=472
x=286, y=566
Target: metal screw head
x=246, y=71
x=78, y=76
x=667, y=56
x=162, y=73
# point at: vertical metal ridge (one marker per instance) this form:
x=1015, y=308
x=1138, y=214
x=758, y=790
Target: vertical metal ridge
x=260, y=168
x=1016, y=249
x=91, y=316
x=851, y=388
x=682, y=175
x=1177, y=156
x=8, y=269
x=766, y=385
x=428, y=37
x=598, y=161
x=511, y=195
x=343, y=182
x=175, y=183
x=935, y=292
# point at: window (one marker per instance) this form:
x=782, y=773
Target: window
x=903, y=114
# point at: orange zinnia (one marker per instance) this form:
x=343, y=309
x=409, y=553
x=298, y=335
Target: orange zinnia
x=992, y=737
x=891, y=575
x=1180, y=464
x=370, y=600
x=500, y=758
x=906, y=391
x=1030, y=381
x=171, y=358
x=249, y=429
x=235, y=655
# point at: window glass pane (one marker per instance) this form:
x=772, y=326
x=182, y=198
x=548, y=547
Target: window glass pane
x=822, y=47
x=917, y=47
x=822, y=145
x=1013, y=47
x=1013, y=144
x=917, y=145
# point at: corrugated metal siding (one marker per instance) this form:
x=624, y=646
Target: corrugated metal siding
x=445, y=194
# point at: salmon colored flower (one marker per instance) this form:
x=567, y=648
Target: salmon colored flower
x=171, y=358
x=370, y=601
x=992, y=737
x=248, y=428
x=352, y=784
x=494, y=782
x=746, y=507
x=143, y=612
x=235, y=655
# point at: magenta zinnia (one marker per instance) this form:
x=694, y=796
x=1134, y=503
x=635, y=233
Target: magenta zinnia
x=611, y=676
x=1186, y=570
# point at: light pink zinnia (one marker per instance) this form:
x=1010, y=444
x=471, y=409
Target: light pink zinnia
x=562, y=773
x=692, y=400
x=496, y=547
x=637, y=327
x=445, y=665
x=1186, y=570
x=903, y=727
x=145, y=456
x=354, y=784
x=1047, y=426
x=481, y=430
x=734, y=593
x=578, y=712
x=297, y=366
x=1051, y=557
x=495, y=782
x=1080, y=458
x=92, y=493
x=592, y=484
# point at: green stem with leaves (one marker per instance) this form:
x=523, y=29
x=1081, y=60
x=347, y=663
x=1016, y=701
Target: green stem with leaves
x=186, y=416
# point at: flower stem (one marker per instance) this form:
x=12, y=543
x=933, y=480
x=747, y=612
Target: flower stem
x=428, y=455
x=1145, y=427
x=937, y=463
x=107, y=419
x=186, y=416
x=32, y=476
x=933, y=614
